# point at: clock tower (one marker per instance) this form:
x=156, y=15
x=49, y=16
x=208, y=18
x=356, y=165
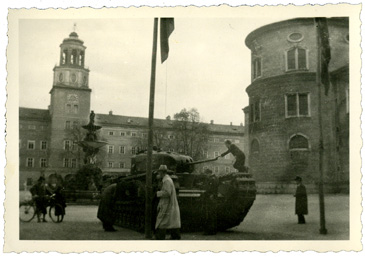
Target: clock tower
x=70, y=103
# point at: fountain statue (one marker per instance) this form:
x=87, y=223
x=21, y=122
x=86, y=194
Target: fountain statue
x=90, y=144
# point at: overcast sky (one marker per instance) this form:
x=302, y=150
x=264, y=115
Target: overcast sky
x=208, y=66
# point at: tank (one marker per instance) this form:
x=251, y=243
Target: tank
x=231, y=195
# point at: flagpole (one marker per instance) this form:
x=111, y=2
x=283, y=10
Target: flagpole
x=148, y=207
x=322, y=219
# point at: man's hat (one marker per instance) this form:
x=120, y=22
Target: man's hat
x=297, y=178
x=163, y=168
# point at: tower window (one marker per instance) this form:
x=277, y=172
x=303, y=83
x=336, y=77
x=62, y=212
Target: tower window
x=255, y=147
x=256, y=67
x=111, y=149
x=297, y=105
x=255, y=111
x=68, y=108
x=296, y=59
x=76, y=109
x=74, y=57
x=298, y=142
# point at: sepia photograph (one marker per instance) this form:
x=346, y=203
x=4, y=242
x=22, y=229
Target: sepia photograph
x=167, y=125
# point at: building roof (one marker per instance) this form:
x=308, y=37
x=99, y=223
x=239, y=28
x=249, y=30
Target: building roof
x=34, y=114
x=119, y=120
x=337, y=21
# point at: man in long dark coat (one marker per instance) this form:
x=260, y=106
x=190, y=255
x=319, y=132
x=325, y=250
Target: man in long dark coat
x=106, y=208
x=301, y=201
x=40, y=195
x=239, y=164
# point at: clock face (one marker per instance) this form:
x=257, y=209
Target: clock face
x=73, y=77
x=73, y=98
x=60, y=77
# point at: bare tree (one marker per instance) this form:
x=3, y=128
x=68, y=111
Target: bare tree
x=191, y=135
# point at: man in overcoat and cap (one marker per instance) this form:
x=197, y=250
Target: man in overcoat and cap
x=239, y=164
x=301, y=201
x=168, y=212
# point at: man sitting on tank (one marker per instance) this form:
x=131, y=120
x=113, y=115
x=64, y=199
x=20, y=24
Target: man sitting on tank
x=168, y=212
x=238, y=154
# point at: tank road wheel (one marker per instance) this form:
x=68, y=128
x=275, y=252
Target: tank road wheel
x=26, y=212
x=56, y=213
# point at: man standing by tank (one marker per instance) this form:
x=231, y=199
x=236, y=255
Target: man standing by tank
x=239, y=164
x=210, y=203
x=168, y=212
x=301, y=202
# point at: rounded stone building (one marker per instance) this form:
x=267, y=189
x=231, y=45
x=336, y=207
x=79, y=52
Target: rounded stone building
x=282, y=125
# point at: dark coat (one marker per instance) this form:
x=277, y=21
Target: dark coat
x=301, y=202
x=239, y=155
x=106, y=206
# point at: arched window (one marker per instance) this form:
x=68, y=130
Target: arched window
x=296, y=59
x=255, y=147
x=298, y=142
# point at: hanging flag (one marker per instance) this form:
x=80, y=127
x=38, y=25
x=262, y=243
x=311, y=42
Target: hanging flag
x=324, y=51
x=166, y=28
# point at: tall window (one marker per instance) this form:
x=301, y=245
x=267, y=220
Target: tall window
x=111, y=149
x=67, y=145
x=76, y=109
x=31, y=144
x=256, y=67
x=110, y=164
x=298, y=142
x=134, y=150
x=75, y=124
x=134, y=134
x=43, y=145
x=255, y=147
x=111, y=133
x=43, y=162
x=73, y=163
x=122, y=149
x=30, y=162
x=122, y=165
x=122, y=134
x=297, y=105
x=68, y=108
x=296, y=59
x=66, y=162
x=255, y=111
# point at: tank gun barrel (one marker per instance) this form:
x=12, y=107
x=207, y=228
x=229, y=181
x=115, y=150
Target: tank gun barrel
x=202, y=161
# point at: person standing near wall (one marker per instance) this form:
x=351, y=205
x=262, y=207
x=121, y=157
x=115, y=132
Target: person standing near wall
x=301, y=201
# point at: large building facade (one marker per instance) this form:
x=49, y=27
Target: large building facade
x=282, y=119
x=48, y=138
